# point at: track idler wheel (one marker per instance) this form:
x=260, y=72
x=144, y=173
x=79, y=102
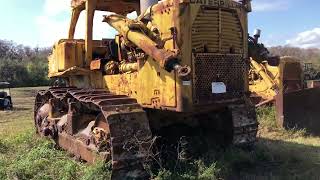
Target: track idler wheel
x=100, y=134
x=41, y=117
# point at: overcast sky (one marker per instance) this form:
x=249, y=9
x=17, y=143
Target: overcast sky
x=42, y=22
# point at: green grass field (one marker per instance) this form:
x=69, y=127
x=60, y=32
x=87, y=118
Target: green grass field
x=278, y=154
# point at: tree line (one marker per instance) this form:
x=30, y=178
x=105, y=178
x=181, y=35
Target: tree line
x=22, y=65
x=25, y=66
x=311, y=55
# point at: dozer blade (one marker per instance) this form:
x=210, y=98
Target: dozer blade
x=299, y=110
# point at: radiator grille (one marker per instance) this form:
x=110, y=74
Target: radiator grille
x=217, y=31
x=209, y=67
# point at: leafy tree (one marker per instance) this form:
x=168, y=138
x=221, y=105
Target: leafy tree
x=23, y=65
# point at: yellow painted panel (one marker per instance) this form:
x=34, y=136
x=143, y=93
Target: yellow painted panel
x=151, y=86
x=157, y=85
x=121, y=84
x=67, y=53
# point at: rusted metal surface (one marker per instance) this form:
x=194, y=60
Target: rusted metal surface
x=296, y=107
x=211, y=67
x=95, y=64
x=299, y=110
x=122, y=25
x=245, y=125
x=128, y=67
x=228, y=40
x=94, y=124
x=313, y=84
x=282, y=85
x=117, y=6
x=128, y=28
x=176, y=28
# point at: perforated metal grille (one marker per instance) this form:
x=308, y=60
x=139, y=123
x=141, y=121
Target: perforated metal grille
x=209, y=67
x=217, y=31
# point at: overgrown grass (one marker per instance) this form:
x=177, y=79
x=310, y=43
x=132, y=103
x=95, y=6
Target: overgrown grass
x=23, y=155
x=268, y=160
x=26, y=156
x=278, y=154
x=266, y=117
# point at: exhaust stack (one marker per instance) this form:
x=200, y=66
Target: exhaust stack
x=257, y=34
x=144, y=4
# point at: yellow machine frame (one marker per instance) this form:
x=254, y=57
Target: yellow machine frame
x=179, y=70
x=152, y=85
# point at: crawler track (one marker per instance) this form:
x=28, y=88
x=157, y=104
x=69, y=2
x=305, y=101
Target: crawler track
x=94, y=124
x=245, y=125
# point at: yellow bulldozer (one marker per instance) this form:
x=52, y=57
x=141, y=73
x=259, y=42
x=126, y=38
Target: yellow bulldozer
x=280, y=81
x=179, y=71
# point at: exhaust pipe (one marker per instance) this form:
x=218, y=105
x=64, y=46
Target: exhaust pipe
x=257, y=35
x=144, y=4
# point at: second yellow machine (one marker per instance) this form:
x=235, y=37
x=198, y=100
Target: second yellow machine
x=179, y=71
x=280, y=81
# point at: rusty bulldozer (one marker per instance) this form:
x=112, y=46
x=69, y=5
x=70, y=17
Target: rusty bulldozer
x=178, y=71
x=280, y=81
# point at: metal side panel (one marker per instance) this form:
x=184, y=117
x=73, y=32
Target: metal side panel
x=300, y=110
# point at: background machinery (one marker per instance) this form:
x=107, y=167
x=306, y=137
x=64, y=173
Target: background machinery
x=178, y=71
x=280, y=81
x=310, y=72
x=5, y=96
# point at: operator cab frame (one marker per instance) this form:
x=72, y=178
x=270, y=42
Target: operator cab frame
x=90, y=6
